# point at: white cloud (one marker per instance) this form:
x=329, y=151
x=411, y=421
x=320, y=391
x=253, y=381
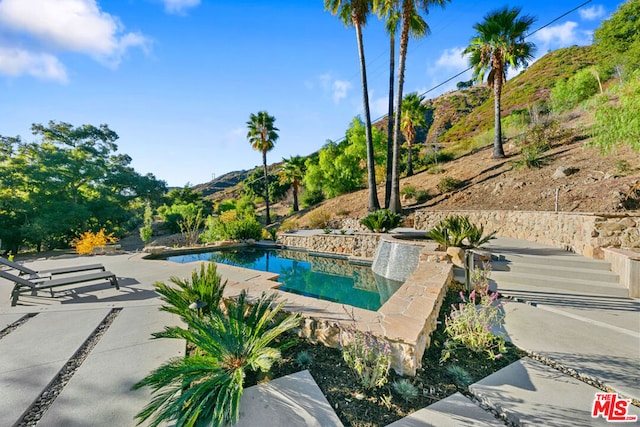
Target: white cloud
x=179, y=7
x=339, y=90
x=16, y=62
x=591, y=13
x=67, y=25
x=336, y=88
x=562, y=35
x=452, y=59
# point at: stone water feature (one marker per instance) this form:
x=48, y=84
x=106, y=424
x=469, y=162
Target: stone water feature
x=406, y=320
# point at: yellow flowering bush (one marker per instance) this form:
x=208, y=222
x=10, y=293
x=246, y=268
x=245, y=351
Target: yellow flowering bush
x=88, y=240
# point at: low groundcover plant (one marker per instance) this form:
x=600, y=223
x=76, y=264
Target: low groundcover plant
x=471, y=325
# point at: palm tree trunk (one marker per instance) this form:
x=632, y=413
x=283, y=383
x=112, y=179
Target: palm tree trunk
x=266, y=186
x=390, y=121
x=409, y=159
x=374, y=204
x=498, y=152
x=295, y=196
x=394, y=202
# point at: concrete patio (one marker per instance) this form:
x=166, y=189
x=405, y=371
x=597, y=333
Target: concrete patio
x=603, y=344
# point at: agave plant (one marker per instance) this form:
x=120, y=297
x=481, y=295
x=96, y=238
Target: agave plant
x=476, y=237
x=454, y=230
x=381, y=221
x=205, y=389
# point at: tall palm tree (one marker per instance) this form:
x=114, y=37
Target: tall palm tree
x=409, y=9
x=389, y=10
x=355, y=12
x=499, y=44
x=413, y=117
x=292, y=172
x=263, y=135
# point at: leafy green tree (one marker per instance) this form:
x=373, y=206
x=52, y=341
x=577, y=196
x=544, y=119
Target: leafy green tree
x=355, y=12
x=339, y=168
x=254, y=185
x=263, y=135
x=335, y=173
x=292, y=173
x=413, y=117
x=408, y=12
x=499, y=44
x=71, y=181
x=618, y=38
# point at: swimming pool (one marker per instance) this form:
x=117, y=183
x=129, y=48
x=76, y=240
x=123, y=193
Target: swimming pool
x=315, y=276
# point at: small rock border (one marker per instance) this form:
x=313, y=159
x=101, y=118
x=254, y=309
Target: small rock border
x=49, y=394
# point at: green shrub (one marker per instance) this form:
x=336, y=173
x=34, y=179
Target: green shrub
x=228, y=226
x=368, y=358
x=319, y=218
x=200, y=296
x=408, y=191
x=311, y=197
x=405, y=389
x=567, y=94
x=289, y=224
x=381, y=221
x=448, y=184
x=470, y=324
x=304, y=360
x=226, y=205
x=454, y=230
x=434, y=170
x=531, y=156
x=206, y=388
x=422, y=196
x=460, y=375
x=146, y=233
x=619, y=124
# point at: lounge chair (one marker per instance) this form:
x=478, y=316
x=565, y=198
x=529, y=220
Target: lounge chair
x=33, y=274
x=25, y=285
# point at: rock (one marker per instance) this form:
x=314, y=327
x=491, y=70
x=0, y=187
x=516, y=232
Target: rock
x=497, y=188
x=561, y=172
x=457, y=255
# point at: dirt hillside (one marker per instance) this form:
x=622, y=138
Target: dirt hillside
x=594, y=182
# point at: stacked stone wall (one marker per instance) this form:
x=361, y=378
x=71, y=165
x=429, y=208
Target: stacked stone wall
x=583, y=233
x=361, y=245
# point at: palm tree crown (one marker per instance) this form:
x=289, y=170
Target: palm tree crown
x=263, y=135
x=292, y=172
x=413, y=117
x=500, y=44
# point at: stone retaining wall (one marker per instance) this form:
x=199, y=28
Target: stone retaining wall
x=362, y=245
x=583, y=233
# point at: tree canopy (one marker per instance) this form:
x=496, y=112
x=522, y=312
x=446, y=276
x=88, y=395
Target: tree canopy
x=618, y=38
x=70, y=181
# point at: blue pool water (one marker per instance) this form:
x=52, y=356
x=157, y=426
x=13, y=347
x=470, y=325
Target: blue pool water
x=315, y=276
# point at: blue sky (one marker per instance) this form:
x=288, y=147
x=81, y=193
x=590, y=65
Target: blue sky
x=178, y=79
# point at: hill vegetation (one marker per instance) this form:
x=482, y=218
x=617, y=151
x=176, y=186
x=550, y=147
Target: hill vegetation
x=460, y=122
